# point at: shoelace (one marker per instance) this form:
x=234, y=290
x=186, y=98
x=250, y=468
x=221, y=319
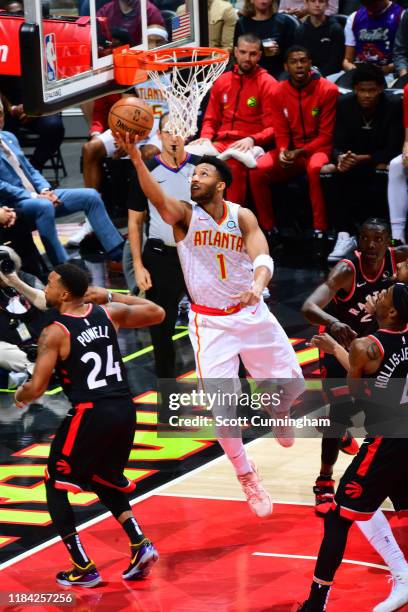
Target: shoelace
x=252, y=487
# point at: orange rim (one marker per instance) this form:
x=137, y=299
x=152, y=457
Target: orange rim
x=156, y=60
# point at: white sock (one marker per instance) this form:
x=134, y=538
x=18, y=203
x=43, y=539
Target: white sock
x=343, y=235
x=398, y=230
x=397, y=197
x=235, y=451
x=378, y=532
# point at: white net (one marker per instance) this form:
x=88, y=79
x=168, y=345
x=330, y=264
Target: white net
x=185, y=87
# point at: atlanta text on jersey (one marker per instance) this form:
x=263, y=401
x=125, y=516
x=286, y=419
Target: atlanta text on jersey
x=221, y=240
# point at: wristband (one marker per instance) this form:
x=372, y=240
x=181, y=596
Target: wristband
x=110, y=297
x=263, y=260
x=331, y=324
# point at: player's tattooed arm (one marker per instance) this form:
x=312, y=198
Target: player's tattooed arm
x=364, y=356
x=373, y=351
x=49, y=345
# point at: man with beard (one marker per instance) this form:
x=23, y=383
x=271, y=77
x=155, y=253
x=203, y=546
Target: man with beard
x=91, y=447
x=237, y=121
x=226, y=265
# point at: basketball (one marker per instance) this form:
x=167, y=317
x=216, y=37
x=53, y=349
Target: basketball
x=131, y=116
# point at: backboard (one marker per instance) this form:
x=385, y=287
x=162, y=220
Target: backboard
x=66, y=45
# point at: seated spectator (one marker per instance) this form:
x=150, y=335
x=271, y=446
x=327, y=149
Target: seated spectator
x=222, y=18
x=300, y=9
x=23, y=188
x=83, y=6
x=400, y=52
x=370, y=34
x=15, y=233
x=367, y=135
x=397, y=184
x=14, y=7
x=127, y=14
x=21, y=319
x=275, y=30
x=49, y=128
x=323, y=36
x=302, y=113
x=237, y=120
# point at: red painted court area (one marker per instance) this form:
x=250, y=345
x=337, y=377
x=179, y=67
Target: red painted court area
x=209, y=560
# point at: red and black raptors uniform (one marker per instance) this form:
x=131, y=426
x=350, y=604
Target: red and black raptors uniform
x=93, y=443
x=380, y=469
x=349, y=308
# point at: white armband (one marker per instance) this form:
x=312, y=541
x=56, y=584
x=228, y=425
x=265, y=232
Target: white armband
x=263, y=260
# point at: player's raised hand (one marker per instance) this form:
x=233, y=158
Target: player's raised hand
x=342, y=333
x=128, y=146
x=369, y=306
x=97, y=295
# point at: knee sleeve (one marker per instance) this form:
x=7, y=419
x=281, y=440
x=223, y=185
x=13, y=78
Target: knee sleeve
x=334, y=542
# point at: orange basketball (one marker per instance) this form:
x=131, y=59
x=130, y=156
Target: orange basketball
x=131, y=116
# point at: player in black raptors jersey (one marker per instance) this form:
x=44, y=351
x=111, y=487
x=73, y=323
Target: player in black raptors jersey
x=91, y=447
x=337, y=306
x=380, y=469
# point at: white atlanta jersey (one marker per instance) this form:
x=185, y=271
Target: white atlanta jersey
x=215, y=263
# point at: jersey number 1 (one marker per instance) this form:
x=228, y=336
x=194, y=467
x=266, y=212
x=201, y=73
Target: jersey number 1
x=112, y=369
x=221, y=262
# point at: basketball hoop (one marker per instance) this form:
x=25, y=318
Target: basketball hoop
x=190, y=73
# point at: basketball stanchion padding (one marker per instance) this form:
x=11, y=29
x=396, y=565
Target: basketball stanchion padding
x=184, y=75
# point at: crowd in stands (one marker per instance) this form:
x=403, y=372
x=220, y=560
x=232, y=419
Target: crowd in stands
x=314, y=94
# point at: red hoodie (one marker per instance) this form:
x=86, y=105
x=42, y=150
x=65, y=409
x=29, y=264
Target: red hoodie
x=304, y=118
x=240, y=106
x=100, y=112
x=405, y=103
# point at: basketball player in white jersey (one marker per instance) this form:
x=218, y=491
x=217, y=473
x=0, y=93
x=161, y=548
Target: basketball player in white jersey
x=226, y=264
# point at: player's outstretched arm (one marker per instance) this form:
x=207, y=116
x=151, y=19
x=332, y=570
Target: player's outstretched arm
x=258, y=251
x=171, y=210
x=325, y=342
x=363, y=356
x=49, y=344
x=126, y=310
x=136, y=315
x=341, y=277
x=256, y=245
